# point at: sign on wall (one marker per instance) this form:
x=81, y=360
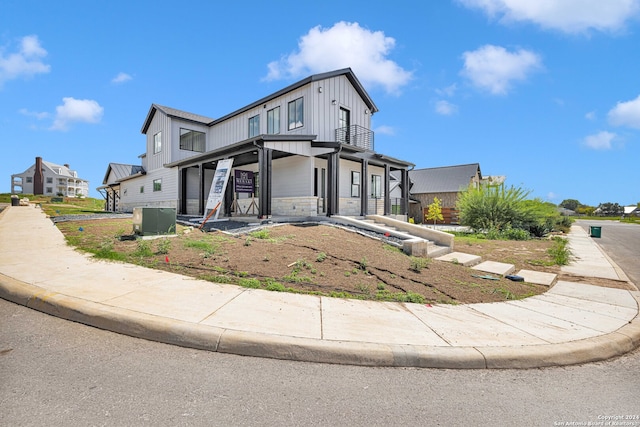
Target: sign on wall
x=243, y=181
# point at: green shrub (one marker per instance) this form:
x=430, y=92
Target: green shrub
x=559, y=252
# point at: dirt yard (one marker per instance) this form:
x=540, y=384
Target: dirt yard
x=322, y=259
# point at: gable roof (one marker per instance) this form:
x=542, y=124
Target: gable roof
x=61, y=170
x=172, y=112
x=446, y=179
x=347, y=72
x=121, y=171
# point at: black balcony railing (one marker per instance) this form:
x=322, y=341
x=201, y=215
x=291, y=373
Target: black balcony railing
x=356, y=135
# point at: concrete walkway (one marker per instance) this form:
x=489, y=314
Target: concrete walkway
x=571, y=323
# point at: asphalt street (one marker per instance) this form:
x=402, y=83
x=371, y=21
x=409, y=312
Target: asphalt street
x=621, y=242
x=59, y=373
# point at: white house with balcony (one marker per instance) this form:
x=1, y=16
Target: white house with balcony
x=306, y=150
x=49, y=179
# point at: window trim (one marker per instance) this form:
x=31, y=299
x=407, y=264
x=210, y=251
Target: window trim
x=297, y=121
x=191, y=141
x=273, y=125
x=376, y=190
x=157, y=142
x=157, y=184
x=254, y=121
x=355, y=184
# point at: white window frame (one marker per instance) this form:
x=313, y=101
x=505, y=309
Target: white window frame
x=157, y=142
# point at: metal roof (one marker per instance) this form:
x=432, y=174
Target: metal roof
x=446, y=179
x=172, y=112
x=121, y=171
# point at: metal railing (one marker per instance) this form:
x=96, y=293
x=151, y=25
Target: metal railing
x=357, y=136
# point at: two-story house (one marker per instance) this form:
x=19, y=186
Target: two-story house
x=49, y=179
x=305, y=150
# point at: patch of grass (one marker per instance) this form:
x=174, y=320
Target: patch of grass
x=418, y=263
x=559, y=252
x=295, y=277
x=163, y=246
x=249, y=283
x=263, y=234
x=321, y=257
x=143, y=249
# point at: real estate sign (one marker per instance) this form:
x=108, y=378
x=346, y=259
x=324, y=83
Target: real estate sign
x=243, y=181
x=218, y=186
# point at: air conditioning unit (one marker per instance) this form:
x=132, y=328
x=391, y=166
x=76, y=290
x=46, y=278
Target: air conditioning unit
x=154, y=221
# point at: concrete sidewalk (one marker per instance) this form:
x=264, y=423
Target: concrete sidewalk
x=571, y=323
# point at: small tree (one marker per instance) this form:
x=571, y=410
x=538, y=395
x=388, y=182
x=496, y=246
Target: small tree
x=571, y=204
x=434, y=211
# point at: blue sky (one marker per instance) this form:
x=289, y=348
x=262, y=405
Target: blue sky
x=546, y=92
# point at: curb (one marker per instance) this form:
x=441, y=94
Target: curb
x=211, y=338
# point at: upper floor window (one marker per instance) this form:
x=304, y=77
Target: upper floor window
x=49, y=180
x=254, y=126
x=157, y=142
x=344, y=122
x=29, y=179
x=273, y=121
x=192, y=140
x=157, y=185
x=296, y=114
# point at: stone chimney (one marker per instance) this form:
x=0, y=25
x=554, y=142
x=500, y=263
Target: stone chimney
x=38, y=178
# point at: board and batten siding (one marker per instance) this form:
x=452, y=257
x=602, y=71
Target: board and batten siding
x=132, y=197
x=348, y=166
x=176, y=152
x=160, y=123
x=292, y=177
x=236, y=128
x=326, y=114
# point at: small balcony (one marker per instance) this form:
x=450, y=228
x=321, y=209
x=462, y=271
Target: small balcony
x=357, y=136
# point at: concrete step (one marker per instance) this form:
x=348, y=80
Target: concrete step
x=466, y=260
x=500, y=268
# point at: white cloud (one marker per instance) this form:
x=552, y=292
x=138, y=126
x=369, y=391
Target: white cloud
x=493, y=68
x=27, y=62
x=35, y=114
x=121, y=78
x=76, y=110
x=344, y=45
x=446, y=108
x=626, y=114
x=591, y=115
x=570, y=16
x=600, y=141
x=385, y=130
x=447, y=91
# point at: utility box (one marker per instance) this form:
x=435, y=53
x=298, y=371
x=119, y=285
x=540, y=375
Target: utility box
x=154, y=221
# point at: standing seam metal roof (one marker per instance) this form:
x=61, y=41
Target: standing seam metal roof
x=446, y=179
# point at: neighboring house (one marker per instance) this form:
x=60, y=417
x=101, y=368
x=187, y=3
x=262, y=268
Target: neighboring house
x=305, y=150
x=631, y=211
x=116, y=173
x=445, y=183
x=49, y=179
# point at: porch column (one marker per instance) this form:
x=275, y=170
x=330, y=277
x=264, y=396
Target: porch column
x=265, y=157
x=404, y=184
x=201, y=196
x=333, y=187
x=387, y=190
x=182, y=190
x=364, y=188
